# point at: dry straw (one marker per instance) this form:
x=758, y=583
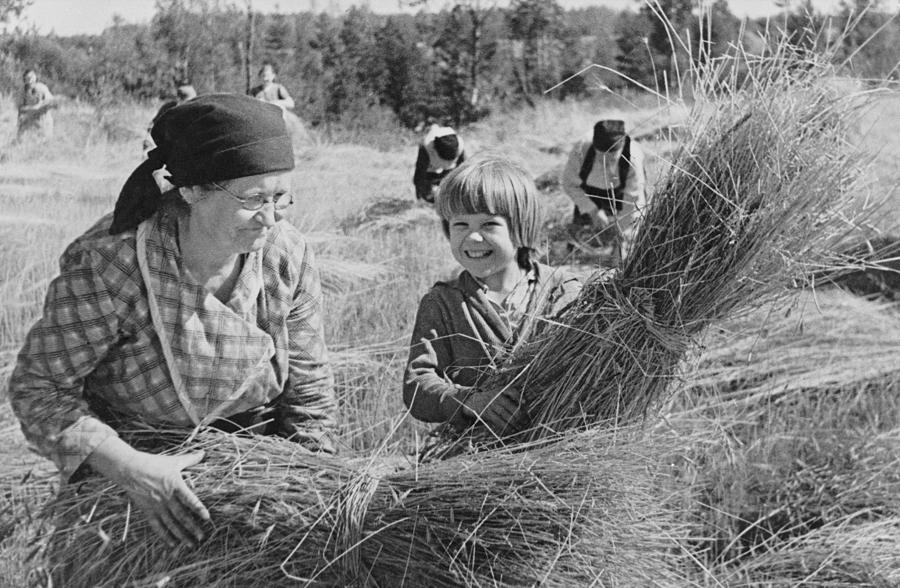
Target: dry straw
x=801, y=408
x=756, y=199
x=586, y=510
x=849, y=554
x=749, y=204
x=823, y=341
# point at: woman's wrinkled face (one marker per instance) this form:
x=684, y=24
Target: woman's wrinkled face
x=219, y=217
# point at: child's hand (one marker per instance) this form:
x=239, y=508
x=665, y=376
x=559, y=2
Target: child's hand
x=502, y=413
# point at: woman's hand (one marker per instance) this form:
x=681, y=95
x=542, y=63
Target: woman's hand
x=501, y=412
x=154, y=484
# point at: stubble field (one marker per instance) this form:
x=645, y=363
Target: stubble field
x=794, y=471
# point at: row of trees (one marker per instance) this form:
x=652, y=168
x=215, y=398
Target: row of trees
x=455, y=64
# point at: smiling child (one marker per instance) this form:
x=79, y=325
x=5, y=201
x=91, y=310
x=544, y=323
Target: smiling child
x=492, y=216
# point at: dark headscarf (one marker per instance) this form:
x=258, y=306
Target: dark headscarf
x=208, y=139
x=608, y=134
x=447, y=146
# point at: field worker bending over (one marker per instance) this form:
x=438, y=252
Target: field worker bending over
x=35, y=103
x=440, y=152
x=492, y=217
x=197, y=305
x=269, y=91
x=183, y=93
x=604, y=177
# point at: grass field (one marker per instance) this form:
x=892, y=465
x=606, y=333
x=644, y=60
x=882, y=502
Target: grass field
x=780, y=476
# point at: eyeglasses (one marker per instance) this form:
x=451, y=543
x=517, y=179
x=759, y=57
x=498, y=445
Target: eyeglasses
x=257, y=201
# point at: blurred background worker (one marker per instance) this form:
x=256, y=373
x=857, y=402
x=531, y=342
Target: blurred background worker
x=604, y=177
x=183, y=93
x=440, y=152
x=34, y=104
x=269, y=91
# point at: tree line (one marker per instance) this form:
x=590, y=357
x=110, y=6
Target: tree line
x=454, y=65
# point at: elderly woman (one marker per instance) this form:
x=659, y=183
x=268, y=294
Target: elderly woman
x=191, y=307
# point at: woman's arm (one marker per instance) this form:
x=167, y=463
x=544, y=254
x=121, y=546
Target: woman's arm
x=284, y=98
x=571, y=180
x=306, y=410
x=80, y=324
x=78, y=327
x=45, y=98
x=154, y=484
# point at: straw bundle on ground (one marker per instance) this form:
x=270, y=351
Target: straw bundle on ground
x=389, y=215
x=586, y=510
x=756, y=199
x=787, y=482
x=849, y=554
x=802, y=411
x=827, y=341
x=874, y=269
x=339, y=276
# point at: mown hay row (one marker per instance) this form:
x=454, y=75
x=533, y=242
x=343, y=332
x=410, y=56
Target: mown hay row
x=801, y=407
x=847, y=554
x=827, y=340
x=586, y=510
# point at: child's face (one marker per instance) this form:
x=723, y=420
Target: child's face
x=482, y=244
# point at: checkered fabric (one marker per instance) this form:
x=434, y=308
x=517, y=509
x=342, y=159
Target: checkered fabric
x=96, y=345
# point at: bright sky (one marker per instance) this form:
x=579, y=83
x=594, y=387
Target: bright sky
x=70, y=17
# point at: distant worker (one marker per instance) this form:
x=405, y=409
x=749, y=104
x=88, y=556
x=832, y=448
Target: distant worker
x=604, y=177
x=269, y=91
x=183, y=93
x=35, y=103
x=440, y=152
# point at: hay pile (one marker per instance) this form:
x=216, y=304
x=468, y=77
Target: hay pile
x=848, y=554
x=821, y=342
x=757, y=200
x=389, y=215
x=586, y=510
x=873, y=269
x=802, y=408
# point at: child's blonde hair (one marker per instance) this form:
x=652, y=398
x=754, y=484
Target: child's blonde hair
x=495, y=185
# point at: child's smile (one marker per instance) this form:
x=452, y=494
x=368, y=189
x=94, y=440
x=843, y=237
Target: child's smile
x=473, y=254
x=482, y=244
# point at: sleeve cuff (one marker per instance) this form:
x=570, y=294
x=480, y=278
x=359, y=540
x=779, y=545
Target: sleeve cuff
x=78, y=441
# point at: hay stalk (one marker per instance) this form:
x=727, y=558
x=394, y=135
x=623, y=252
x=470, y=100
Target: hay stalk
x=586, y=509
x=757, y=199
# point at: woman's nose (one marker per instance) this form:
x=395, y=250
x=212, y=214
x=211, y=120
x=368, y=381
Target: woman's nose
x=267, y=216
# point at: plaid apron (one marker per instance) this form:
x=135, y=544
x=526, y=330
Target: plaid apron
x=218, y=357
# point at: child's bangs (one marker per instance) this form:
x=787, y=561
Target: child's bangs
x=476, y=189
x=494, y=186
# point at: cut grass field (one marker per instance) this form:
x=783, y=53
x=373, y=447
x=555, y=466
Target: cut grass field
x=378, y=265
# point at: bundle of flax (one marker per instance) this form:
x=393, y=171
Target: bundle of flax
x=822, y=342
x=848, y=554
x=585, y=510
x=804, y=401
x=757, y=198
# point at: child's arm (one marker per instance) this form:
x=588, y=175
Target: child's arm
x=428, y=393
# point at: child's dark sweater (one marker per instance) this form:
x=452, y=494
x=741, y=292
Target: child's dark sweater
x=469, y=334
